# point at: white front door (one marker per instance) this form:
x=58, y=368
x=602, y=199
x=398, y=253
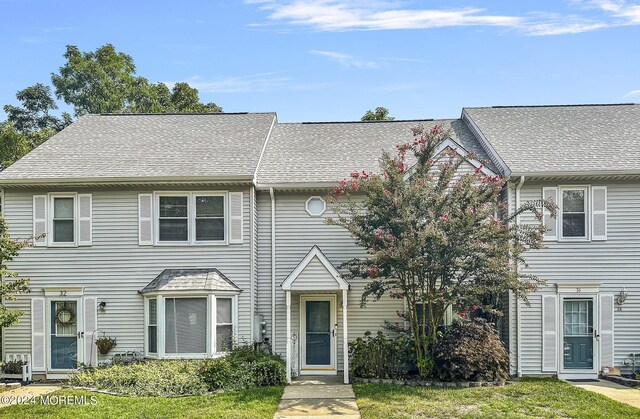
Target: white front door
x=64, y=332
x=318, y=334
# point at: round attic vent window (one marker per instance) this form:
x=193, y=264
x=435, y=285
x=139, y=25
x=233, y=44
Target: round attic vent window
x=316, y=206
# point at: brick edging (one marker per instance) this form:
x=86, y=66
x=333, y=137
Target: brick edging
x=422, y=383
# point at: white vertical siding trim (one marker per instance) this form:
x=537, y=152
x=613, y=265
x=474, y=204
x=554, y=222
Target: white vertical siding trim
x=548, y=221
x=598, y=213
x=145, y=219
x=235, y=218
x=85, y=223
x=606, y=330
x=38, y=347
x=549, y=333
x=90, y=326
x=40, y=220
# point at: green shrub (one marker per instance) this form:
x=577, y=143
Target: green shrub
x=471, y=351
x=269, y=372
x=381, y=356
x=13, y=367
x=153, y=378
x=243, y=367
x=216, y=373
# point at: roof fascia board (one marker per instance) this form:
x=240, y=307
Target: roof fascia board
x=486, y=145
x=128, y=180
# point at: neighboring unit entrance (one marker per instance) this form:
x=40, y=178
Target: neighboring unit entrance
x=318, y=330
x=63, y=354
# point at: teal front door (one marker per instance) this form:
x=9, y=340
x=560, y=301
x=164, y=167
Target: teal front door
x=64, y=335
x=318, y=339
x=578, y=333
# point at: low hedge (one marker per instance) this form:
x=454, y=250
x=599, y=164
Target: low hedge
x=244, y=367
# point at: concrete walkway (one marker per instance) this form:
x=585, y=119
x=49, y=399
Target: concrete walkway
x=628, y=395
x=26, y=393
x=318, y=396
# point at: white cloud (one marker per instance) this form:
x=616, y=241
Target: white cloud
x=345, y=60
x=633, y=93
x=350, y=15
x=236, y=84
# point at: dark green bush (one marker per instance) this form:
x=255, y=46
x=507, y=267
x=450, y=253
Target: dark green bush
x=269, y=372
x=471, y=350
x=243, y=367
x=13, y=367
x=381, y=356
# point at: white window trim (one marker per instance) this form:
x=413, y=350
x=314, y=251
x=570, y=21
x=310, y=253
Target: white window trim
x=214, y=312
x=51, y=197
x=146, y=328
x=191, y=218
x=210, y=324
x=306, y=206
x=587, y=213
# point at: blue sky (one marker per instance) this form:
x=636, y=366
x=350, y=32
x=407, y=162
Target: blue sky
x=334, y=59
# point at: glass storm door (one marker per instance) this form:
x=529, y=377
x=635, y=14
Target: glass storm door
x=318, y=333
x=578, y=334
x=64, y=335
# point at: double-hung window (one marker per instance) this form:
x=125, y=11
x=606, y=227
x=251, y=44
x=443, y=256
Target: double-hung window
x=63, y=220
x=224, y=324
x=152, y=326
x=574, y=208
x=191, y=217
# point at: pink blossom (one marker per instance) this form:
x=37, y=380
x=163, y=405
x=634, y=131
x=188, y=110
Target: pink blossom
x=444, y=217
x=355, y=175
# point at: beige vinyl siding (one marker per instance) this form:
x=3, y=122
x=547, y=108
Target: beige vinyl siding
x=115, y=267
x=296, y=234
x=615, y=263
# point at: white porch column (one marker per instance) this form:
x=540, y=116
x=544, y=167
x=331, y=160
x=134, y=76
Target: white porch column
x=345, y=337
x=288, y=295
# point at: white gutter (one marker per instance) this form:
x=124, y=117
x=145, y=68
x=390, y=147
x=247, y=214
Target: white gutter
x=518, y=313
x=273, y=269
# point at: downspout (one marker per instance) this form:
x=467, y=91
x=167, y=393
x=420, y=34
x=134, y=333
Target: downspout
x=518, y=314
x=273, y=269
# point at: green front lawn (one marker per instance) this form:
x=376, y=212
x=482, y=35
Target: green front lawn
x=542, y=398
x=253, y=403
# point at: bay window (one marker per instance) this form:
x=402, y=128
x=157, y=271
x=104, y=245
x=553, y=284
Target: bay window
x=189, y=326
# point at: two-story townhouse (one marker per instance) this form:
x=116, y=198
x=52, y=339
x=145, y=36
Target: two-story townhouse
x=586, y=159
x=145, y=230
x=177, y=234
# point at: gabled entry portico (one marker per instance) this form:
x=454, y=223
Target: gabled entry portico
x=317, y=285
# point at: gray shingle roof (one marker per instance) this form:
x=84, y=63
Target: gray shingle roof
x=327, y=152
x=583, y=138
x=149, y=146
x=190, y=280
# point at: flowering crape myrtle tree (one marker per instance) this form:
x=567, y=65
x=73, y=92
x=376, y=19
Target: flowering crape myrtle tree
x=435, y=237
x=10, y=285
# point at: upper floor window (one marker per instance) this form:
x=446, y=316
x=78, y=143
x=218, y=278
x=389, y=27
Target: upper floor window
x=574, y=212
x=316, y=206
x=63, y=219
x=191, y=217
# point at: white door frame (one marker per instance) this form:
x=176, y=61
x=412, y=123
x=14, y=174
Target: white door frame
x=53, y=373
x=315, y=369
x=574, y=373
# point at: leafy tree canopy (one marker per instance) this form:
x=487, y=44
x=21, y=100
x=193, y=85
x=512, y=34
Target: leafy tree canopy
x=380, y=114
x=11, y=286
x=435, y=237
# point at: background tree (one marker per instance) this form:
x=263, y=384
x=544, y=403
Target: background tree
x=380, y=114
x=11, y=285
x=100, y=81
x=433, y=236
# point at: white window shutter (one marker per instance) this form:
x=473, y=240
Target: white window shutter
x=549, y=333
x=90, y=326
x=38, y=335
x=549, y=222
x=606, y=330
x=145, y=219
x=85, y=222
x=235, y=217
x=40, y=220
x=599, y=213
